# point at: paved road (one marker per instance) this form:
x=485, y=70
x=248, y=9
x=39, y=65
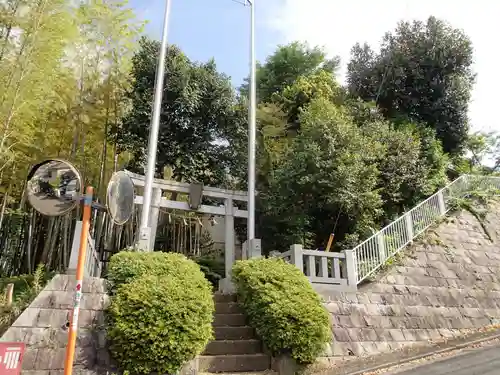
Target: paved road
x=50, y=205
x=481, y=361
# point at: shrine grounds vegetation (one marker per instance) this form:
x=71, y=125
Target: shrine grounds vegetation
x=283, y=308
x=330, y=155
x=161, y=311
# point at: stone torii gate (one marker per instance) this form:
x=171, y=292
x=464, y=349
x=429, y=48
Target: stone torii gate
x=196, y=192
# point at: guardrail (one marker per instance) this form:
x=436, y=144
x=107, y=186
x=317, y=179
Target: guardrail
x=323, y=268
x=93, y=265
x=372, y=253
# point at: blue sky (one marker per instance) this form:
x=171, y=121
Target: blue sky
x=214, y=28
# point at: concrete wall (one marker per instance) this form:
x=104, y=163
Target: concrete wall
x=444, y=287
x=43, y=327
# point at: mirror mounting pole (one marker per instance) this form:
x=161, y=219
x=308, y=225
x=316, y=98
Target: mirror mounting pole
x=73, y=328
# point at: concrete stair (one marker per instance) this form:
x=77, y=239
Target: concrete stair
x=236, y=349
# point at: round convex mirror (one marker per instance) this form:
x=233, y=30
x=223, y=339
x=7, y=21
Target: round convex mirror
x=120, y=197
x=54, y=187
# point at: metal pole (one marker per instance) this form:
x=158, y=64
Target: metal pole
x=251, y=128
x=80, y=271
x=145, y=230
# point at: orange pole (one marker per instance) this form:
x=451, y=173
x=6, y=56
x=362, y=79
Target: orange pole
x=73, y=328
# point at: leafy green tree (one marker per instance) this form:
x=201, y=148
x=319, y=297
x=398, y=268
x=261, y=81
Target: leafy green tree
x=65, y=71
x=278, y=120
x=482, y=146
x=483, y=153
x=421, y=74
x=412, y=165
x=286, y=65
x=330, y=176
x=478, y=144
x=295, y=97
x=197, y=118
x=290, y=78
x=406, y=162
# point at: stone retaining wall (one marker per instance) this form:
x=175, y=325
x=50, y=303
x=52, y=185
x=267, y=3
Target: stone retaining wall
x=43, y=326
x=444, y=287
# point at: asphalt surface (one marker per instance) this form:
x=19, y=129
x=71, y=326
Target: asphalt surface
x=51, y=206
x=480, y=361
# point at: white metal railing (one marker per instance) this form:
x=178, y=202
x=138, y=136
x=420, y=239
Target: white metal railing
x=320, y=267
x=93, y=265
x=376, y=250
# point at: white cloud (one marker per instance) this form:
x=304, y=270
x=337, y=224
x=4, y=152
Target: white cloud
x=338, y=25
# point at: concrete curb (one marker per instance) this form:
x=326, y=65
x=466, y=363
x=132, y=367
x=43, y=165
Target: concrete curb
x=427, y=354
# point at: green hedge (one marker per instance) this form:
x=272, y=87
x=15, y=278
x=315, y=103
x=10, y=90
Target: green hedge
x=126, y=266
x=283, y=308
x=161, y=313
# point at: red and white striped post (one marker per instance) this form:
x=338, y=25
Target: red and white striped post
x=73, y=328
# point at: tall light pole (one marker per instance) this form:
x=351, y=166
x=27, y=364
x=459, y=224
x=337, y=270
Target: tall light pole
x=145, y=230
x=251, y=128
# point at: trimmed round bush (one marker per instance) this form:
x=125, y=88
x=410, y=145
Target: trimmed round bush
x=161, y=315
x=283, y=308
x=125, y=266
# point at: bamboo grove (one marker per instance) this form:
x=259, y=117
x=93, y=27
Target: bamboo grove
x=64, y=77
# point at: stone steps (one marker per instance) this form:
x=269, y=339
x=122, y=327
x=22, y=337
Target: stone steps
x=222, y=347
x=228, y=308
x=235, y=348
x=234, y=333
x=234, y=363
x=229, y=320
x=228, y=298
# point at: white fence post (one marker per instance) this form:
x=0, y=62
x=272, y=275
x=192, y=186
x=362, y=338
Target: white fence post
x=296, y=256
x=352, y=274
x=442, y=206
x=409, y=226
x=73, y=257
x=381, y=247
